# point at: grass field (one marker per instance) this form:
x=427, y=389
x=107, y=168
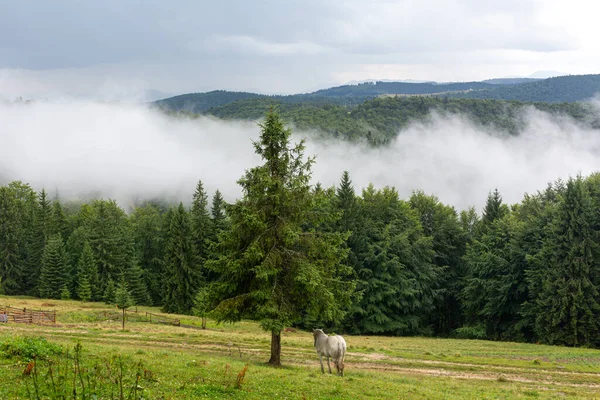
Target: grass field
x=188, y=362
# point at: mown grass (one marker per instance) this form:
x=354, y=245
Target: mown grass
x=187, y=363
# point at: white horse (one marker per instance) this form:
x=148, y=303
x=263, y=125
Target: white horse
x=330, y=346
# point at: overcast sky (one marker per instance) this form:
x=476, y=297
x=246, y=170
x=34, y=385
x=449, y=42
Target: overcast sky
x=118, y=49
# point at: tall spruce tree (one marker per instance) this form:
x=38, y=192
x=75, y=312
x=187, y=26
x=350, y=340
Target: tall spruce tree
x=570, y=301
x=84, y=289
x=146, y=223
x=24, y=202
x=11, y=242
x=494, y=208
x=87, y=276
x=536, y=214
x=270, y=268
x=53, y=277
x=217, y=213
x=201, y=222
x=109, y=292
x=441, y=223
x=495, y=287
x=59, y=222
x=182, y=273
x=136, y=283
x=41, y=233
x=346, y=201
x=110, y=240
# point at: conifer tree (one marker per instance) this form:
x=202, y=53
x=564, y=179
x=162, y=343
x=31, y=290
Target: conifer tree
x=11, y=240
x=201, y=223
x=494, y=208
x=441, y=223
x=87, y=275
x=346, y=201
x=269, y=268
x=75, y=244
x=146, y=223
x=110, y=240
x=202, y=304
x=65, y=293
x=218, y=214
x=59, y=223
x=53, y=277
x=495, y=287
x=182, y=273
x=136, y=283
x=41, y=233
x=123, y=299
x=109, y=292
x=24, y=200
x=84, y=289
x=570, y=300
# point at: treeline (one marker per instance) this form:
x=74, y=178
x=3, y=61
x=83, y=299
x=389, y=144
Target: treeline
x=526, y=272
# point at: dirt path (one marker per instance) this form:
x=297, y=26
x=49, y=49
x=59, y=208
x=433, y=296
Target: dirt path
x=466, y=375
x=382, y=358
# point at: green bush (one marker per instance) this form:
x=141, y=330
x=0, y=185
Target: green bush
x=29, y=347
x=471, y=332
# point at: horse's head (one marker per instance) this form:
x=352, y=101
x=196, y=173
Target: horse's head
x=316, y=334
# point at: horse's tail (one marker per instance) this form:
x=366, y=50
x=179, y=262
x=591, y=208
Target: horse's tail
x=342, y=354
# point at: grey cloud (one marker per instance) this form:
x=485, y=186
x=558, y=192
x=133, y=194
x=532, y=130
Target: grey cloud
x=69, y=33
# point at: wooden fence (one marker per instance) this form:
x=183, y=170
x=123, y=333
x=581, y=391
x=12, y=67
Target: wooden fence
x=138, y=316
x=25, y=316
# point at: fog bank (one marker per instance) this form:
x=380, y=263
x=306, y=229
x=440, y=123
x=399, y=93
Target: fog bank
x=128, y=151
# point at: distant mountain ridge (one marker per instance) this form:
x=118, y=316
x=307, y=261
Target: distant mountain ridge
x=570, y=88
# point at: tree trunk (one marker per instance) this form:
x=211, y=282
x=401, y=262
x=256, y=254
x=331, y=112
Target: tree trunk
x=203, y=322
x=275, y=348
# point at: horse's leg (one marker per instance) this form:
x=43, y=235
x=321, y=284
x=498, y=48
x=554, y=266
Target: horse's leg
x=321, y=360
x=328, y=365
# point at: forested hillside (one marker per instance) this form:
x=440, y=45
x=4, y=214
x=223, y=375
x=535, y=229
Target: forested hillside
x=379, y=120
x=523, y=272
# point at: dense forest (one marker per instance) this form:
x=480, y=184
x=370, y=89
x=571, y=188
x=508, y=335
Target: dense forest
x=292, y=253
x=378, y=121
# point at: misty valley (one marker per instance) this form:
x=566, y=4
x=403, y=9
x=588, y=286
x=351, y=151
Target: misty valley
x=466, y=211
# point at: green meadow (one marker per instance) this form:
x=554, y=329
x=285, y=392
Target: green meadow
x=86, y=354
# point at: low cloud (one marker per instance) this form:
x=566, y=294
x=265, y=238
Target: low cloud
x=127, y=152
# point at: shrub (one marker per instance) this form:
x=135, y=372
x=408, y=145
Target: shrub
x=471, y=332
x=29, y=347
